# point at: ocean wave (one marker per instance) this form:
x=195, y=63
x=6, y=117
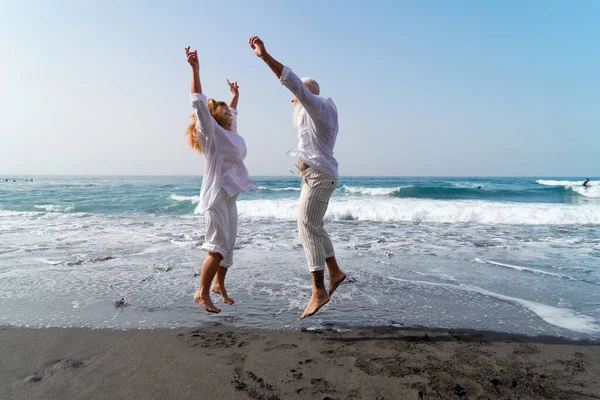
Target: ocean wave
x=564, y=183
x=557, y=316
x=576, y=186
x=593, y=191
x=54, y=208
x=193, y=199
x=417, y=210
x=531, y=270
x=285, y=189
x=373, y=191
x=10, y=213
x=50, y=262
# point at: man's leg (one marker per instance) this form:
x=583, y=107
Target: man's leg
x=314, y=199
x=336, y=276
x=319, y=296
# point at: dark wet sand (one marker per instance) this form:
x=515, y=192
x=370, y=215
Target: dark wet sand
x=227, y=363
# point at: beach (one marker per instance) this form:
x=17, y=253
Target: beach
x=221, y=362
x=453, y=292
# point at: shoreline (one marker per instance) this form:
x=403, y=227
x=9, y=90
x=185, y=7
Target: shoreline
x=222, y=362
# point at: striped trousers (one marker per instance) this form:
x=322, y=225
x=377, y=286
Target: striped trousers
x=316, y=190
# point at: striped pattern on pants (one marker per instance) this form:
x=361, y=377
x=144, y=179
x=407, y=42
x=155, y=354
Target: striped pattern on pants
x=316, y=190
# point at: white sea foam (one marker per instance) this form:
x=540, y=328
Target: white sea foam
x=592, y=191
x=193, y=199
x=524, y=269
x=285, y=189
x=561, y=317
x=8, y=213
x=50, y=262
x=53, y=208
x=373, y=191
x=564, y=183
x=577, y=186
x=467, y=185
x=420, y=210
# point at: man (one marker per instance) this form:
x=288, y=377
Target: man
x=586, y=183
x=317, y=122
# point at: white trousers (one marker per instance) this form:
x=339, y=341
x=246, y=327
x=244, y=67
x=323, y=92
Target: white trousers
x=316, y=190
x=221, y=227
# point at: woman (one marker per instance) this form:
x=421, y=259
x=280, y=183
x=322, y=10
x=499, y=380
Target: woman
x=213, y=132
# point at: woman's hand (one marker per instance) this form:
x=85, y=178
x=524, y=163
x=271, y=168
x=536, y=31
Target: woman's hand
x=234, y=88
x=192, y=58
x=235, y=91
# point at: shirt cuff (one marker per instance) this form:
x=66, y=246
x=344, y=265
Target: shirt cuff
x=284, y=74
x=198, y=97
x=233, y=111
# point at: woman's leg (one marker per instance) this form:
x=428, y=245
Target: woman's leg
x=219, y=285
x=216, y=242
x=209, y=269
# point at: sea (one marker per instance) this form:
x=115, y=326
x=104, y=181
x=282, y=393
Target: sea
x=516, y=255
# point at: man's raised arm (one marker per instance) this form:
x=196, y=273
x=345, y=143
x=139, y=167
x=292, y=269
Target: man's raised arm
x=309, y=101
x=259, y=49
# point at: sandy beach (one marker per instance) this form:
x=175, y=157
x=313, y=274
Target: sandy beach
x=226, y=363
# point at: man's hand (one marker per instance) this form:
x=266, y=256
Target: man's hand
x=258, y=46
x=234, y=88
x=259, y=49
x=192, y=58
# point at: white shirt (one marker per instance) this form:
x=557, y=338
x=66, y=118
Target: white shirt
x=317, y=126
x=224, y=152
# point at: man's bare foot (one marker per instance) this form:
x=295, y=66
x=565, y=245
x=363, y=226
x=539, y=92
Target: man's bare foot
x=335, y=281
x=206, y=303
x=317, y=300
x=223, y=293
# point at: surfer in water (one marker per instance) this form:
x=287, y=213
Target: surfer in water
x=586, y=183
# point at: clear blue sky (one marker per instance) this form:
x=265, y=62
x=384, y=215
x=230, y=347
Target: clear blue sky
x=422, y=87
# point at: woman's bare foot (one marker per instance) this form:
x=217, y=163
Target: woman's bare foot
x=335, y=281
x=223, y=293
x=317, y=300
x=206, y=303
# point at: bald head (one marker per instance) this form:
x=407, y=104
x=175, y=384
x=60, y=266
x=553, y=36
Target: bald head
x=312, y=85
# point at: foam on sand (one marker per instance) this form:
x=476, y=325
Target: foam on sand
x=561, y=317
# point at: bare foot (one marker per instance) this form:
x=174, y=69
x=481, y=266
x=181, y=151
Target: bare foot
x=317, y=300
x=335, y=280
x=206, y=303
x=223, y=293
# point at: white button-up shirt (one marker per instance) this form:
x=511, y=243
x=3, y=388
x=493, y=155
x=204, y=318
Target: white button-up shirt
x=317, y=126
x=224, y=152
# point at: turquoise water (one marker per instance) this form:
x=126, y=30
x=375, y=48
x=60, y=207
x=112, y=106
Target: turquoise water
x=510, y=254
x=163, y=195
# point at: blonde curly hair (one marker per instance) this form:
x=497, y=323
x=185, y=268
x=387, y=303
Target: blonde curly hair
x=219, y=110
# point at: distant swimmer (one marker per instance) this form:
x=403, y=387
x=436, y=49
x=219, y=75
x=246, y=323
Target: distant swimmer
x=586, y=183
x=478, y=187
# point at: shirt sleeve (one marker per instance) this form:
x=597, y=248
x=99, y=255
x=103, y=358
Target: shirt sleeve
x=205, y=122
x=311, y=102
x=234, y=112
